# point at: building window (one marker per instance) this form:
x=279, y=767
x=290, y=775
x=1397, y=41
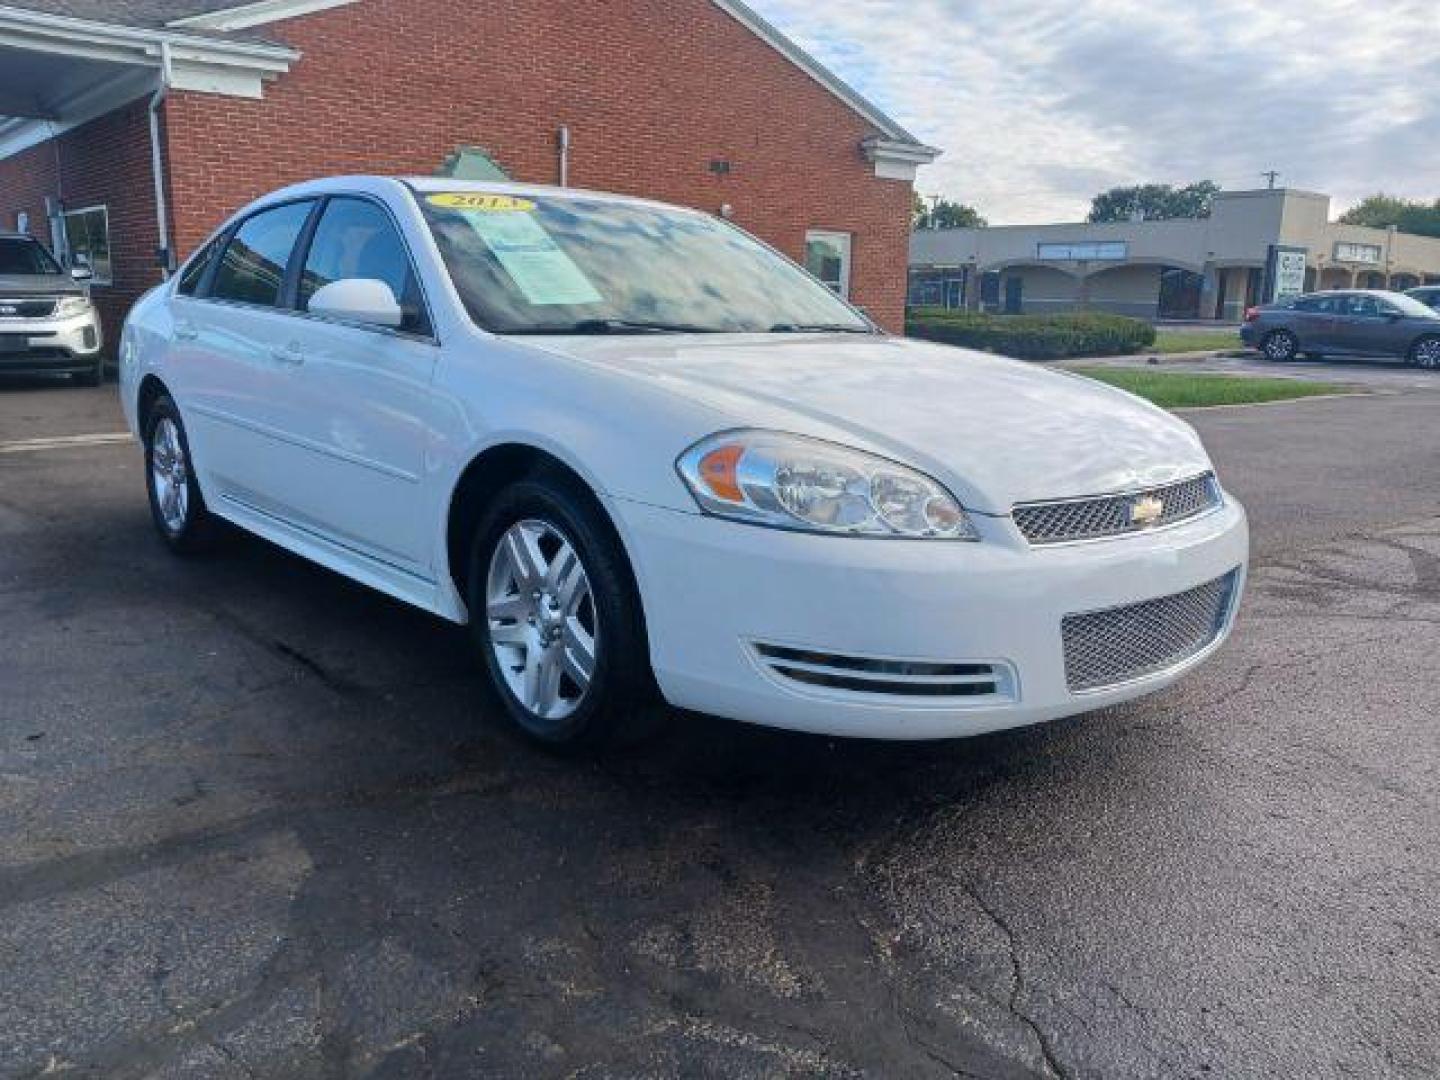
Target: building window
x=827, y=256
x=87, y=239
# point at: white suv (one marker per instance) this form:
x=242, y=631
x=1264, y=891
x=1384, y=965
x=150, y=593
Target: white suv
x=47, y=323
x=638, y=452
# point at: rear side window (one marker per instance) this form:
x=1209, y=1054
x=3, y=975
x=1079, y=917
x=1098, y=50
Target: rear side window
x=357, y=239
x=252, y=270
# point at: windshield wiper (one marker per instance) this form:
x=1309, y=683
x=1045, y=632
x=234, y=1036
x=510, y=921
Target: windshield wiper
x=819, y=328
x=613, y=326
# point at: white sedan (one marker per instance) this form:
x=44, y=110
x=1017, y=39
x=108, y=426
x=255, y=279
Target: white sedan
x=638, y=452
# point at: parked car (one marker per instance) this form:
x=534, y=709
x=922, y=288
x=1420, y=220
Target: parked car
x=1429, y=295
x=1362, y=322
x=635, y=449
x=47, y=323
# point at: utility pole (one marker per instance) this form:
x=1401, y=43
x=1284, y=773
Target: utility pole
x=1271, y=175
x=934, y=206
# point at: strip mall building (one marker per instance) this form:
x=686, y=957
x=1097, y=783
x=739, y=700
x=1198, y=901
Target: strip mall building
x=1254, y=246
x=130, y=129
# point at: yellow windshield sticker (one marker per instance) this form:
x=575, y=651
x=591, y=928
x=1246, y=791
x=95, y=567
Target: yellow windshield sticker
x=486, y=204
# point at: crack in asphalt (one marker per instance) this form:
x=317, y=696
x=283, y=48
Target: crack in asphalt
x=1017, y=980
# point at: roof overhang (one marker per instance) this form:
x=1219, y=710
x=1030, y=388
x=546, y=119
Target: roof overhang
x=896, y=160
x=91, y=68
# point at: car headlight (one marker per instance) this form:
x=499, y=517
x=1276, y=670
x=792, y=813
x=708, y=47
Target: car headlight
x=792, y=482
x=71, y=306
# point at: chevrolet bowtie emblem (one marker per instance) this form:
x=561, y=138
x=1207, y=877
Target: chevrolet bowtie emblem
x=1146, y=511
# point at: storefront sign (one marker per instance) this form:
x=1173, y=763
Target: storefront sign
x=1087, y=251
x=1347, y=252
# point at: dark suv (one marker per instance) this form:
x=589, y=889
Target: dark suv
x=1358, y=323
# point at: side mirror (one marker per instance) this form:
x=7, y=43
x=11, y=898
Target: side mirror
x=363, y=300
x=81, y=272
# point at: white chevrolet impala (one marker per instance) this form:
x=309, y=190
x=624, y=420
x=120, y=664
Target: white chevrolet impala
x=638, y=452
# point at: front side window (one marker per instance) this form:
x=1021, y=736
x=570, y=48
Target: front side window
x=87, y=236
x=25, y=258
x=194, y=271
x=357, y=239
x=252, y=270
x=570, y=264
x=827, y=256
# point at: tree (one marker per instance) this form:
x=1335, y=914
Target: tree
x=946, y=215
x=1380, y=211
x=1154, y=202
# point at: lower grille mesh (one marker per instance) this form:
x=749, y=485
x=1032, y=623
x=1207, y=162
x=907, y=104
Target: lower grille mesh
x=1106, y=648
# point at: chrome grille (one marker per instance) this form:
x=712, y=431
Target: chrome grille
x=1107, y=648
x=1068, y=520
x=902, y=678
x=41, y=308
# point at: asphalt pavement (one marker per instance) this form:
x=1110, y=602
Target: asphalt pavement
x=257, y=825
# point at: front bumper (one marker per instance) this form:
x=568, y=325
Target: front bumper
x=714, y=590
x=46, y=346
x=1249, y=335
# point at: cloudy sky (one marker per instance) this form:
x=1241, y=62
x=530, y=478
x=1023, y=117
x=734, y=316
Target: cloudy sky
x=1039, y=104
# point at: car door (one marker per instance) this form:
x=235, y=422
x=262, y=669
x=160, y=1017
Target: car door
x=358, y=397
x=1368, y=326
x=224, y=363
x=1316, y=323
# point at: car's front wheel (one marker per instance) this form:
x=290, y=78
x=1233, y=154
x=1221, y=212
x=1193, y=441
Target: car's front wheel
x=1425, y=353
x=176, y=504
x=555, y=613
x=1280, y=346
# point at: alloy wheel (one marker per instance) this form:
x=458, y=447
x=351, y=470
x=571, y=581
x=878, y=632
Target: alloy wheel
x=542, y=620
x=1280, y=346
x=171, y=474
x=1427, y=354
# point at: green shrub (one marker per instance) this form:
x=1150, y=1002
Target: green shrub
x=1033, y=337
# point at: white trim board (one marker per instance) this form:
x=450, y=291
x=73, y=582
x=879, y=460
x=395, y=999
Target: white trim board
x=259, y=13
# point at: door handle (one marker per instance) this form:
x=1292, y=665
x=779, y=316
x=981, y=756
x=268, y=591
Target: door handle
x=186, y=331
x=291, y=354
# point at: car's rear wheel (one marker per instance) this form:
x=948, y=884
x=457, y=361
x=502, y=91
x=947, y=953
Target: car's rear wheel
x=176, y=504
x=555, y=613
x=1280, y=346
x=1425, y=353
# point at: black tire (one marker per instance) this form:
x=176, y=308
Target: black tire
x=621, y=701
x=1280, y=346
x=94, y=376
x=194, y=531
x=1425, y=353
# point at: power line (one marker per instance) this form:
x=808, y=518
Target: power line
x=1271, y=175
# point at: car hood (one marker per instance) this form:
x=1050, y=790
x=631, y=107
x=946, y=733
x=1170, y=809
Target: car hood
x=16, y=285
x=996, y=431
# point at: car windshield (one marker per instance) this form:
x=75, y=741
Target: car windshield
x=576, y=265
x=25, y=257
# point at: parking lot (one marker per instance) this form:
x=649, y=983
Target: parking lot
x=257, y=827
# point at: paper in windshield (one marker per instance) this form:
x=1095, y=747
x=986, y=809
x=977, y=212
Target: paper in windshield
x=538, y=266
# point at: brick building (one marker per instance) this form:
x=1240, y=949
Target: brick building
x=129, y=129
